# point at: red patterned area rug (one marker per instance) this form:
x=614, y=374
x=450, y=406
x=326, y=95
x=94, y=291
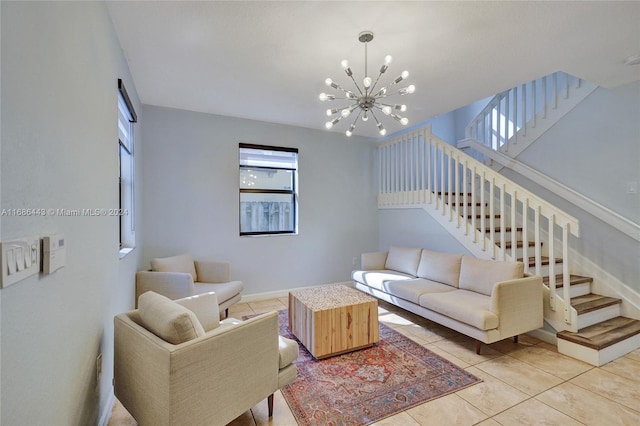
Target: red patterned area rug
x=361, y=387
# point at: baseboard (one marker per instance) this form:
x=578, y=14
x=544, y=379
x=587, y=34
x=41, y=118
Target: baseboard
x=257, y=297
x=544, y=335
x=106, y=414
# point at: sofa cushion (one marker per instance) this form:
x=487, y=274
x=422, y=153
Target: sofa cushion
x=377, y=279
x=411, y=290
x=181, y=263
x=441, y=267
x=481, y=275
x=465, y=306
x=167, y=319
x=403, y=259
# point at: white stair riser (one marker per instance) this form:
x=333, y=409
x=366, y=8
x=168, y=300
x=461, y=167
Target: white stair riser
x=576, y=290
x=595, y=357
x=594, y=317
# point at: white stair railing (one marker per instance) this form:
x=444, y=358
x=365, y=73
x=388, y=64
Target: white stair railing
x=507, y=119
x=420, y=170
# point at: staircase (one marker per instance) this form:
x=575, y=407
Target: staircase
x=494, y=218
x=515, y=118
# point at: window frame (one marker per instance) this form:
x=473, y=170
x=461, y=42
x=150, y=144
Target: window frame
x=293, y=191
x=126, y=205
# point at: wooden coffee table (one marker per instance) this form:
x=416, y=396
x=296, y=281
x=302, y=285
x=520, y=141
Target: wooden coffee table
x=333, y=319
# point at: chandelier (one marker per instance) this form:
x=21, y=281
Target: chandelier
x=366, y=99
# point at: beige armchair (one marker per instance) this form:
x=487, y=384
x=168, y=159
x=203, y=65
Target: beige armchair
x=181, y=276
x=175, y=363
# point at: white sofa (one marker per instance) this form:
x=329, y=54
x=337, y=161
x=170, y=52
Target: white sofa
x=484, y=299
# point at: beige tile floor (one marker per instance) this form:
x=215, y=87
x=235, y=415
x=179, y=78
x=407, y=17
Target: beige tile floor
x=528, y=383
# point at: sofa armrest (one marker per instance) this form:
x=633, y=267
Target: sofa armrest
x=518, y=304
x=373, y=261
x=174, y=285
x=212, y=271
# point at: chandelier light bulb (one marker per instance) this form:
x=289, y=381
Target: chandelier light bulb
x=328, y=124
x=402, y=108
x=367, y=82
x=386, y=110
x=387, y=60
x=411, y=89
x=382, y=130
x=351, y=95
x=365, y=116
x=345, y=112
x=349, y=131
x=404, y=121
x=329, y=113
x=328, y=82
x=404, y=74
x=344, y=64
x=323, y=96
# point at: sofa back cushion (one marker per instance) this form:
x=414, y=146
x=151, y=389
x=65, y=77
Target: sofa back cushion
x=403, y=259
x=481, y=275
x=181, y=263
x=167, y=319
x=441, y=267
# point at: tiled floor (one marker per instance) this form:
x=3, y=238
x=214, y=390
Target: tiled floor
x=528, y=383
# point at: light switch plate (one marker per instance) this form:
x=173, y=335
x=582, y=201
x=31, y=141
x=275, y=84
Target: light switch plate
x=20, y=259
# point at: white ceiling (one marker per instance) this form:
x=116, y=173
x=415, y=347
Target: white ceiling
x=266, y=60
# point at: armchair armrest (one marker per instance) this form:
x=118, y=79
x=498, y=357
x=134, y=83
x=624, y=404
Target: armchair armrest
x=206, y=308
x=174, y=285
x=518, y=304
x=212, y=271
x=373, y=261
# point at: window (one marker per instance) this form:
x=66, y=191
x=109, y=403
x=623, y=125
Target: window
x=268, y=190
x=126, y=118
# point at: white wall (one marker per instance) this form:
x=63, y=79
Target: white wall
x=191, y=199
x=60, y=64
x=595, y=150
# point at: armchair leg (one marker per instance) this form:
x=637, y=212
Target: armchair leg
x=226, y=313
x=515, y=339
x=270, y=404
x=478, y=345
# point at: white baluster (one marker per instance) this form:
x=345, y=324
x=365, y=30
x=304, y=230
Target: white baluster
x=524, y=109
x=534, y=103
x=525, y=233
x=503, y=242
x=465, y=195
x=552, y=265
x=514, y=239
x=483, y=223
x=544, y=96
x=492, y=225
x=566, y=277
x=473, y=205
x=536, y=217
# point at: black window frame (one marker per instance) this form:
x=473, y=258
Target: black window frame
x=293, y=192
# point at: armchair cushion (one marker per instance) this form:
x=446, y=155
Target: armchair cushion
x=289, y=351
x=181, y=263
x=167, y=319
x=205, y=306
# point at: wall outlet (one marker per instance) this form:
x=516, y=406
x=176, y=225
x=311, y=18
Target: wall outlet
x=632, y=187
x=354, y=261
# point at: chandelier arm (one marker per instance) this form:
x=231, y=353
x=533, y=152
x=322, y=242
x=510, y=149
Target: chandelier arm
x=356, y=83
x=376, y=82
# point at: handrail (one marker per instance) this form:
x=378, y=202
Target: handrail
x=621, y=223
x=418, y=168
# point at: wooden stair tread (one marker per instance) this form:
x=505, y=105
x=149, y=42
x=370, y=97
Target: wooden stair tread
x=603, y=334
x=592, y=302
x=544, y=260
x=519, y=244
x=497, y=229
x=573, y=280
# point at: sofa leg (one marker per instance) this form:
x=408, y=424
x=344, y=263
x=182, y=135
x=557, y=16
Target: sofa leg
x=270, y=404
x=515, y=339
x=478, y=344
